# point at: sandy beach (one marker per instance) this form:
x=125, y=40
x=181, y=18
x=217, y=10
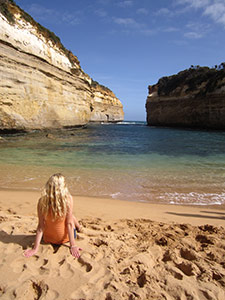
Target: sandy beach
x=130, y=251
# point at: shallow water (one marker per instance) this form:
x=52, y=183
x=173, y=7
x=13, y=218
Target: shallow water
x=129, y=161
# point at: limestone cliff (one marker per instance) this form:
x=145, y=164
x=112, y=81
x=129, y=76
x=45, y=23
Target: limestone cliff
x=192, y=98
x=41, y=83
x=106, y=106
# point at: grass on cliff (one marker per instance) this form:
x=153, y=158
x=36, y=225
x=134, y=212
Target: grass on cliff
x=95, y=84
x=8, y=8
x=5, y=10
x=193, y=78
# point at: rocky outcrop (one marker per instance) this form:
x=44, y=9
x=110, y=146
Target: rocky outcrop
x=41, y=83
x=106, y=105
x=192, y=98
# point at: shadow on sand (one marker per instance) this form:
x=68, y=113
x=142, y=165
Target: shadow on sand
x=214, y=215
x=20, y=239
x=24, y=241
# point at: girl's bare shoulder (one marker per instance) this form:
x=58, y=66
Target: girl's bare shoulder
x=40, y=203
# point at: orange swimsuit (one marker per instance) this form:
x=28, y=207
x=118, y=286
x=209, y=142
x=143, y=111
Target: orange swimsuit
x=55, y=231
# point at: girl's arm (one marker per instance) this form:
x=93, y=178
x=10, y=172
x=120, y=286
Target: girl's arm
x=74, y=250
x=39, y=234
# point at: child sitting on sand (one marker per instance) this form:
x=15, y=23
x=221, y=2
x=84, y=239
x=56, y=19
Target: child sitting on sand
x=56, y=222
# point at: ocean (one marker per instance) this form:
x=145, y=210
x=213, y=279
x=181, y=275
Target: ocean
x=127, y=161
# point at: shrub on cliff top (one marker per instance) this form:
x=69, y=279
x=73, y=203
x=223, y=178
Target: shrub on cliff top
x=95, y=84
x=193, y=78
x=5, y=11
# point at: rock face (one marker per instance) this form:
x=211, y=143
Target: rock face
x=106, y=105
x=192, y=98
x=41, y=83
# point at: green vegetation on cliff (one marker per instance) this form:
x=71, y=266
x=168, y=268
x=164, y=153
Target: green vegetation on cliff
x=8, y=8
x=95, y=84
x=201, y=80
x=5, y=11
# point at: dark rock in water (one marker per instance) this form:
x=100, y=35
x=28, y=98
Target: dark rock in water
x=50, y=136
x=192, y=98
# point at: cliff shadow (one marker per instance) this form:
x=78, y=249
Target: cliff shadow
x=215, y=217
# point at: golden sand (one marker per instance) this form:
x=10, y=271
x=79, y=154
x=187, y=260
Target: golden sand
x=130, y=250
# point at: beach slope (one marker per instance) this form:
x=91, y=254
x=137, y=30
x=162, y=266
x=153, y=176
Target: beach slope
x=130, y=251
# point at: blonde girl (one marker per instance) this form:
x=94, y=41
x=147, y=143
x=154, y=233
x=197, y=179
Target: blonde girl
x=56, y=223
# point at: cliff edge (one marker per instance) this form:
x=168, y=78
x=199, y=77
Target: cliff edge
x=192, y=98
x=42, y=84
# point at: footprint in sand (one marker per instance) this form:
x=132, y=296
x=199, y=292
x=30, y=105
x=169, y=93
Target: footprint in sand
x=19, y=266
x=188, y=268
x=31, y=289
x=84, y=263
x=204, y=240
x=34, y=264
x=3, y=289
x=44, y=266
x=188, y=254
x=11, y=211
x=142, y=280
x=99, y=242
x=168, y=256
x=3, y=219
x=51, y=295
x=100, y=277
x=174, y=272
x=207, y=294
x=65, y=269
x=91, y=233
x=95, y=286
x=44, y=269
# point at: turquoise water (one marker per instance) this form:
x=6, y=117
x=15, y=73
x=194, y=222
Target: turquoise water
x=129, y=161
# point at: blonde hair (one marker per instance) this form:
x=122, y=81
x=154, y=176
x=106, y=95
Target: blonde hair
x=55, y=197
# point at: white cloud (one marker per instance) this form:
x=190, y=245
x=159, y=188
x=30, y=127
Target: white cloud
x=131, y=26
x=193, y=35
x=40, y=11
x=200, y=3
x=43, y=13
x=148, y=32
x=70, y=19
x=196, y=30
x=104, y=2
x=142, y=11
x=164, y=12
x=215, y=9
x=194, y=3
x=101, y=13
x=125, y=3
x=127, y=22
x=171, y=29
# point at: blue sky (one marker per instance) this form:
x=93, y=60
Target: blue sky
x=127, y=45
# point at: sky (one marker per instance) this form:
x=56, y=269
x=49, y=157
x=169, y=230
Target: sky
x=127, y=45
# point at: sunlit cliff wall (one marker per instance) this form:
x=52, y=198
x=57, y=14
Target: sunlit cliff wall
x=192, y=98
x=41, y=83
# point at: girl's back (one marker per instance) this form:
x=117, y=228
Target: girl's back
x=55, y=230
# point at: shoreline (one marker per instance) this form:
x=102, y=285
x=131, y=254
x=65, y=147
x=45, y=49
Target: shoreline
x=24, y=202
